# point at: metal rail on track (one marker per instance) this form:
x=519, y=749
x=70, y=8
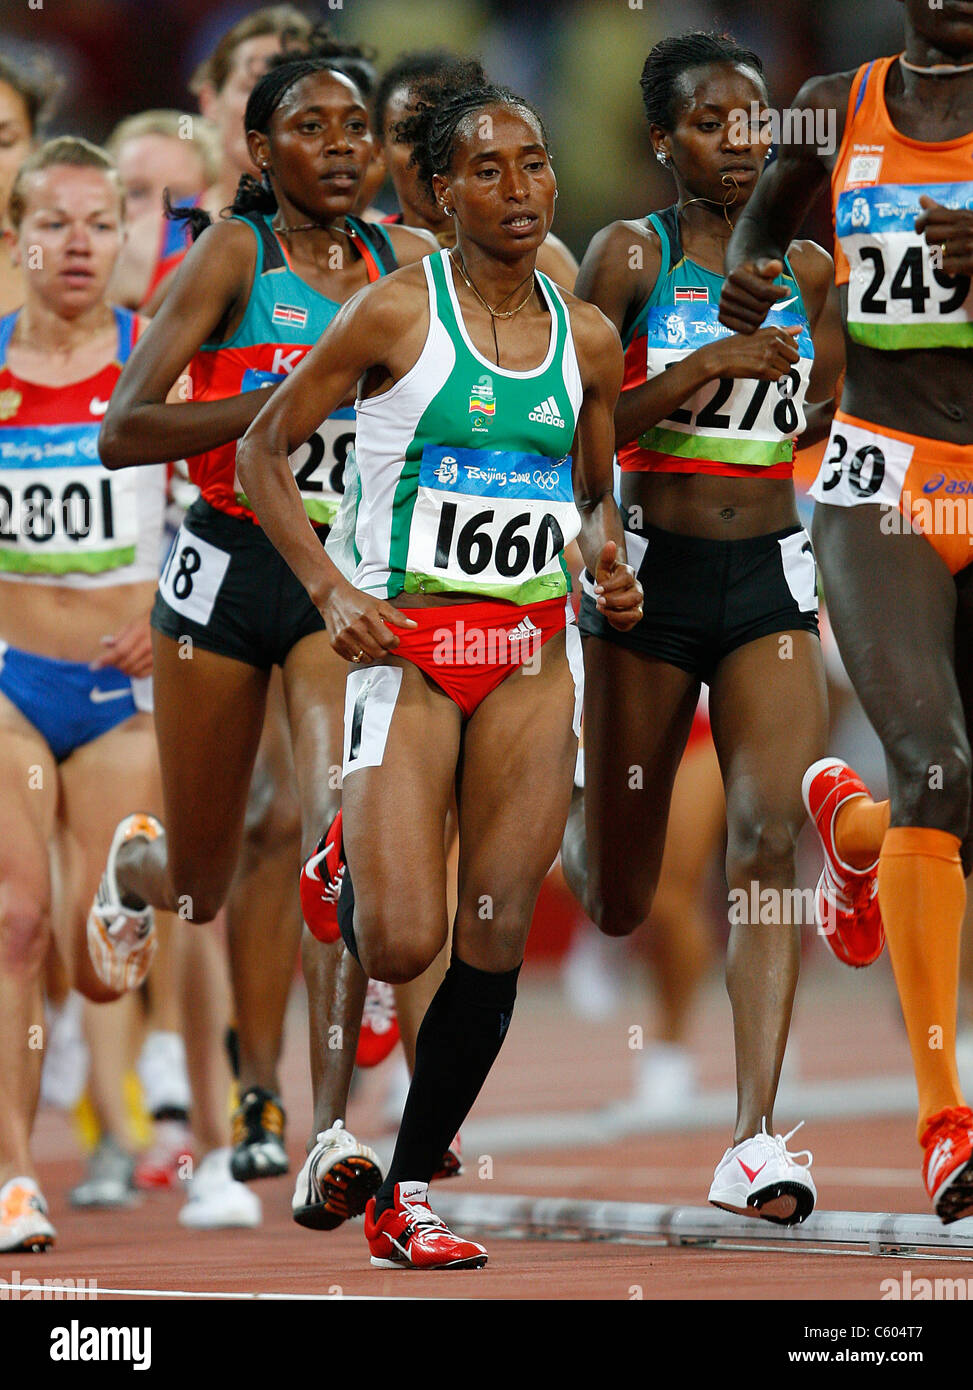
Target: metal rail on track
x=881, y=1233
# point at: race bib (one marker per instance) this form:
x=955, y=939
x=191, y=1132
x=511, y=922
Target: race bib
x=734, y=419
x=898, y=296
x=492, y=523
x=193, y=575
x=61, y=512
x=861, y=466
x=319, y=464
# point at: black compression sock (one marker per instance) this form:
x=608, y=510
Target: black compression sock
x=345, y=908
x=459, y=1040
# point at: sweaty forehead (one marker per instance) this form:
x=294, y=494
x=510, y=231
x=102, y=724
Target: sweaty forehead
x=719, y=85
x=325, y=88
x=492, y=127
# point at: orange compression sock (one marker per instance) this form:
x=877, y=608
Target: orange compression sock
x=859, y=829
x=922, y=894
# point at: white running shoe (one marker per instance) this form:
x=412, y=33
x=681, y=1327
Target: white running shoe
x=23, y=1217
x=666, y=1080
x=66, y=1056
x=161, y=1069
x=216, y=1200
x=121, y=940
x=760, y=1178
x=338, y=1178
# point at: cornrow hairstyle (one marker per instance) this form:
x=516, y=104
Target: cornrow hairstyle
x=36, y=83
x=256, y=195
x=355, y=60
x=671, y=57
x=419, y=72
x=432, y=131
x=65, y=149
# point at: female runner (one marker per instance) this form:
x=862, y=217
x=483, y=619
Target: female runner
x=478, y=382
x=894, y=543
x=705, y=425
x=78, y=560
x=251, y=297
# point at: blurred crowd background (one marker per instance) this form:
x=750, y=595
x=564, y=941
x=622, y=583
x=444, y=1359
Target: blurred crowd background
x=578, y=60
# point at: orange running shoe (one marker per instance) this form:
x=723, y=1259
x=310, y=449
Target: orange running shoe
x=409, y=1235
x=121, y=939
x=23, y=1217
x=947, y=1168
x=846, y=899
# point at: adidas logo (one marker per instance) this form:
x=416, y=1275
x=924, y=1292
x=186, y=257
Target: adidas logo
x=546, y=413
x=525, y=631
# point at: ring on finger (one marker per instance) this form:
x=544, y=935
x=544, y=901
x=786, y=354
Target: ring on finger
x=360, y=656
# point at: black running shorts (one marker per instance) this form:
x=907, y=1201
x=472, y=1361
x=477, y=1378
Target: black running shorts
x=705, y=598
x=226, y=587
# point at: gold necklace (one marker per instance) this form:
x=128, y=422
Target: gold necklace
x=495, y=313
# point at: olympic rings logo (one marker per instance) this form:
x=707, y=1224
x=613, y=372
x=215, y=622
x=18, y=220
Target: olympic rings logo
x=548, y=481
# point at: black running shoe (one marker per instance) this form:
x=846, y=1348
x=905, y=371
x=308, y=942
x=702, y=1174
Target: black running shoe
x=258, y=1137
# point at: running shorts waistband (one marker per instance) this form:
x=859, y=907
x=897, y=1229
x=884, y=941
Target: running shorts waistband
x=927, y=481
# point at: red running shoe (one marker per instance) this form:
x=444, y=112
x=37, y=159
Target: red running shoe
x=379, y=1025
x=846, y=899
x=452, y=1164
x=411, y=1236
x=321, y=877
x=947, y=1168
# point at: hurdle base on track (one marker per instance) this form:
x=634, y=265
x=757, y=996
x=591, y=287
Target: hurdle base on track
x=881, y=1233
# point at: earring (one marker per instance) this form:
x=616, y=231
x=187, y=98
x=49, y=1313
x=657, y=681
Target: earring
x=447, y=211
x=663, y=158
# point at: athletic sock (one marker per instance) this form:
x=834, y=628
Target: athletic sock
x=922, y=895
x=458, y=1042
x=859, y=831
x=345, y=909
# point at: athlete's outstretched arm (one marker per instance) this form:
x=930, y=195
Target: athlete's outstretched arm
x=786, y=190
x=618, y=593
x=353, y=343
x=208, y=295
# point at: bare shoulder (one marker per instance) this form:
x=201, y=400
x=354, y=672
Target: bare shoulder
x=596, y=338
x=827, y=92
x=385, y=302
x=615, y=242
x=411, y=243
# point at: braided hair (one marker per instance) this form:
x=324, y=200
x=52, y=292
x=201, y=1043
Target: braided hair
x=256, y=195
x=671, y=57
x=432, y=131
x=430, y=76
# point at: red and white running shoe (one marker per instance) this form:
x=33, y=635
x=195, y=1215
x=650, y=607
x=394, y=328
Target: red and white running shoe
x=947, y=1168
x=846, y=899
x=452, y=1164
x=168, y=1160
x=321, y=877
x=759, y=1177
x=411, y=1236
x=379, y=1025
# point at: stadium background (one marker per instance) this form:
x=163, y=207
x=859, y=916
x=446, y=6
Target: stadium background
x=580, y=62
